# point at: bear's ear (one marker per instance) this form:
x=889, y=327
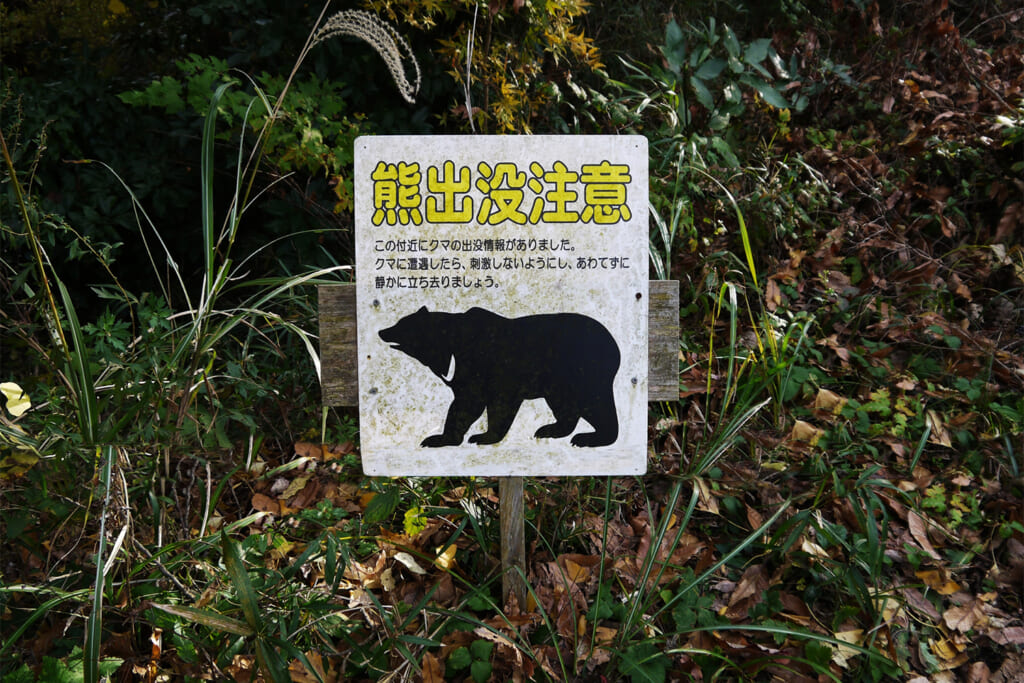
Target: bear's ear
x=423, y=309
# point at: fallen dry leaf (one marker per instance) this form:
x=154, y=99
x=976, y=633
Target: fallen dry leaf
x=1010, y=635
x=842, y=654
x=939, y=581
x=939, y=434
x=410, y=563
x=949, y=651
x=806, y=432
x=265, y=503
x=829, y=402
x=919, y=530
x=446, y=559
x=295, y=486
x=431, y=669
x=964, y=618
x=813, y=549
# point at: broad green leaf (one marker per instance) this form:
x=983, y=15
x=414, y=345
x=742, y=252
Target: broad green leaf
x=480, y=671
x=702, y=92
x=481, y=649
x=675, y=46
x=710, y=68
x=733, y=94
x=644, y=663
x=757, y=51
x=460, y=658
x=731, y=43
x=381, y=506
x=719, y=122
x=699, y=56
x=767, y=91
x=780, y=66
x=725, y=152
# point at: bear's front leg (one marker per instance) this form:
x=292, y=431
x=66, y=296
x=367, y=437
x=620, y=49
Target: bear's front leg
x=501, y=412
x=463, y=412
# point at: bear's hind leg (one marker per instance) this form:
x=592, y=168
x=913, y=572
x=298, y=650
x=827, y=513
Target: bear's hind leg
x=601, y=415
x=567, y=416
x=556, y=430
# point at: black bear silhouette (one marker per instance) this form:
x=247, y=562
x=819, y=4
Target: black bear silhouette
x=494, y=363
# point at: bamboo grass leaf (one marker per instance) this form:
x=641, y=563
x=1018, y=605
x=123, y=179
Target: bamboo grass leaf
x=208, y=618
x=240, y=580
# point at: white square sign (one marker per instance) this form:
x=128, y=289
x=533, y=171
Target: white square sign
x=502, y=304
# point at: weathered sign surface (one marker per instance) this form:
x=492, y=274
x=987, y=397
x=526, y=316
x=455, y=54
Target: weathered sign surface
x=502, y=304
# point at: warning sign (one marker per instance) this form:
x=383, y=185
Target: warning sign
x=502, y=304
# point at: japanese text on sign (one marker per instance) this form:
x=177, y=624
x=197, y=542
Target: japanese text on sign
x=507, y=194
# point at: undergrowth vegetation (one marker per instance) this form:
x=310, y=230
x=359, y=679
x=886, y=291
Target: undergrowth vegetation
x=837, y=494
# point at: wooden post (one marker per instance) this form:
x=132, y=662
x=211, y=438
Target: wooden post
x=513, y=539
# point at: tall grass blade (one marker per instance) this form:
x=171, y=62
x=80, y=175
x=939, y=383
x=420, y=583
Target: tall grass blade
x=206, y=176
x=94, y=625
x=79, y=374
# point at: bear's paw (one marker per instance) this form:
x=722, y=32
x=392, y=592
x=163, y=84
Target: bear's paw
x=591, y=440
x=438, y=440
x=485, y=438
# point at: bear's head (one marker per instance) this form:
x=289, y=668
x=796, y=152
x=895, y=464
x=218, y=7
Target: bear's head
x=424, y=336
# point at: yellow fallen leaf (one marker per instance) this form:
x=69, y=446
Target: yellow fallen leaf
x=805, y=431
x=938, y=581
x=446, y=559
x=843, y=653
x=605, y=635
x=829, y=402
x=813, y=549
x=16, y=398
x=950, y=652
x=576, y=573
